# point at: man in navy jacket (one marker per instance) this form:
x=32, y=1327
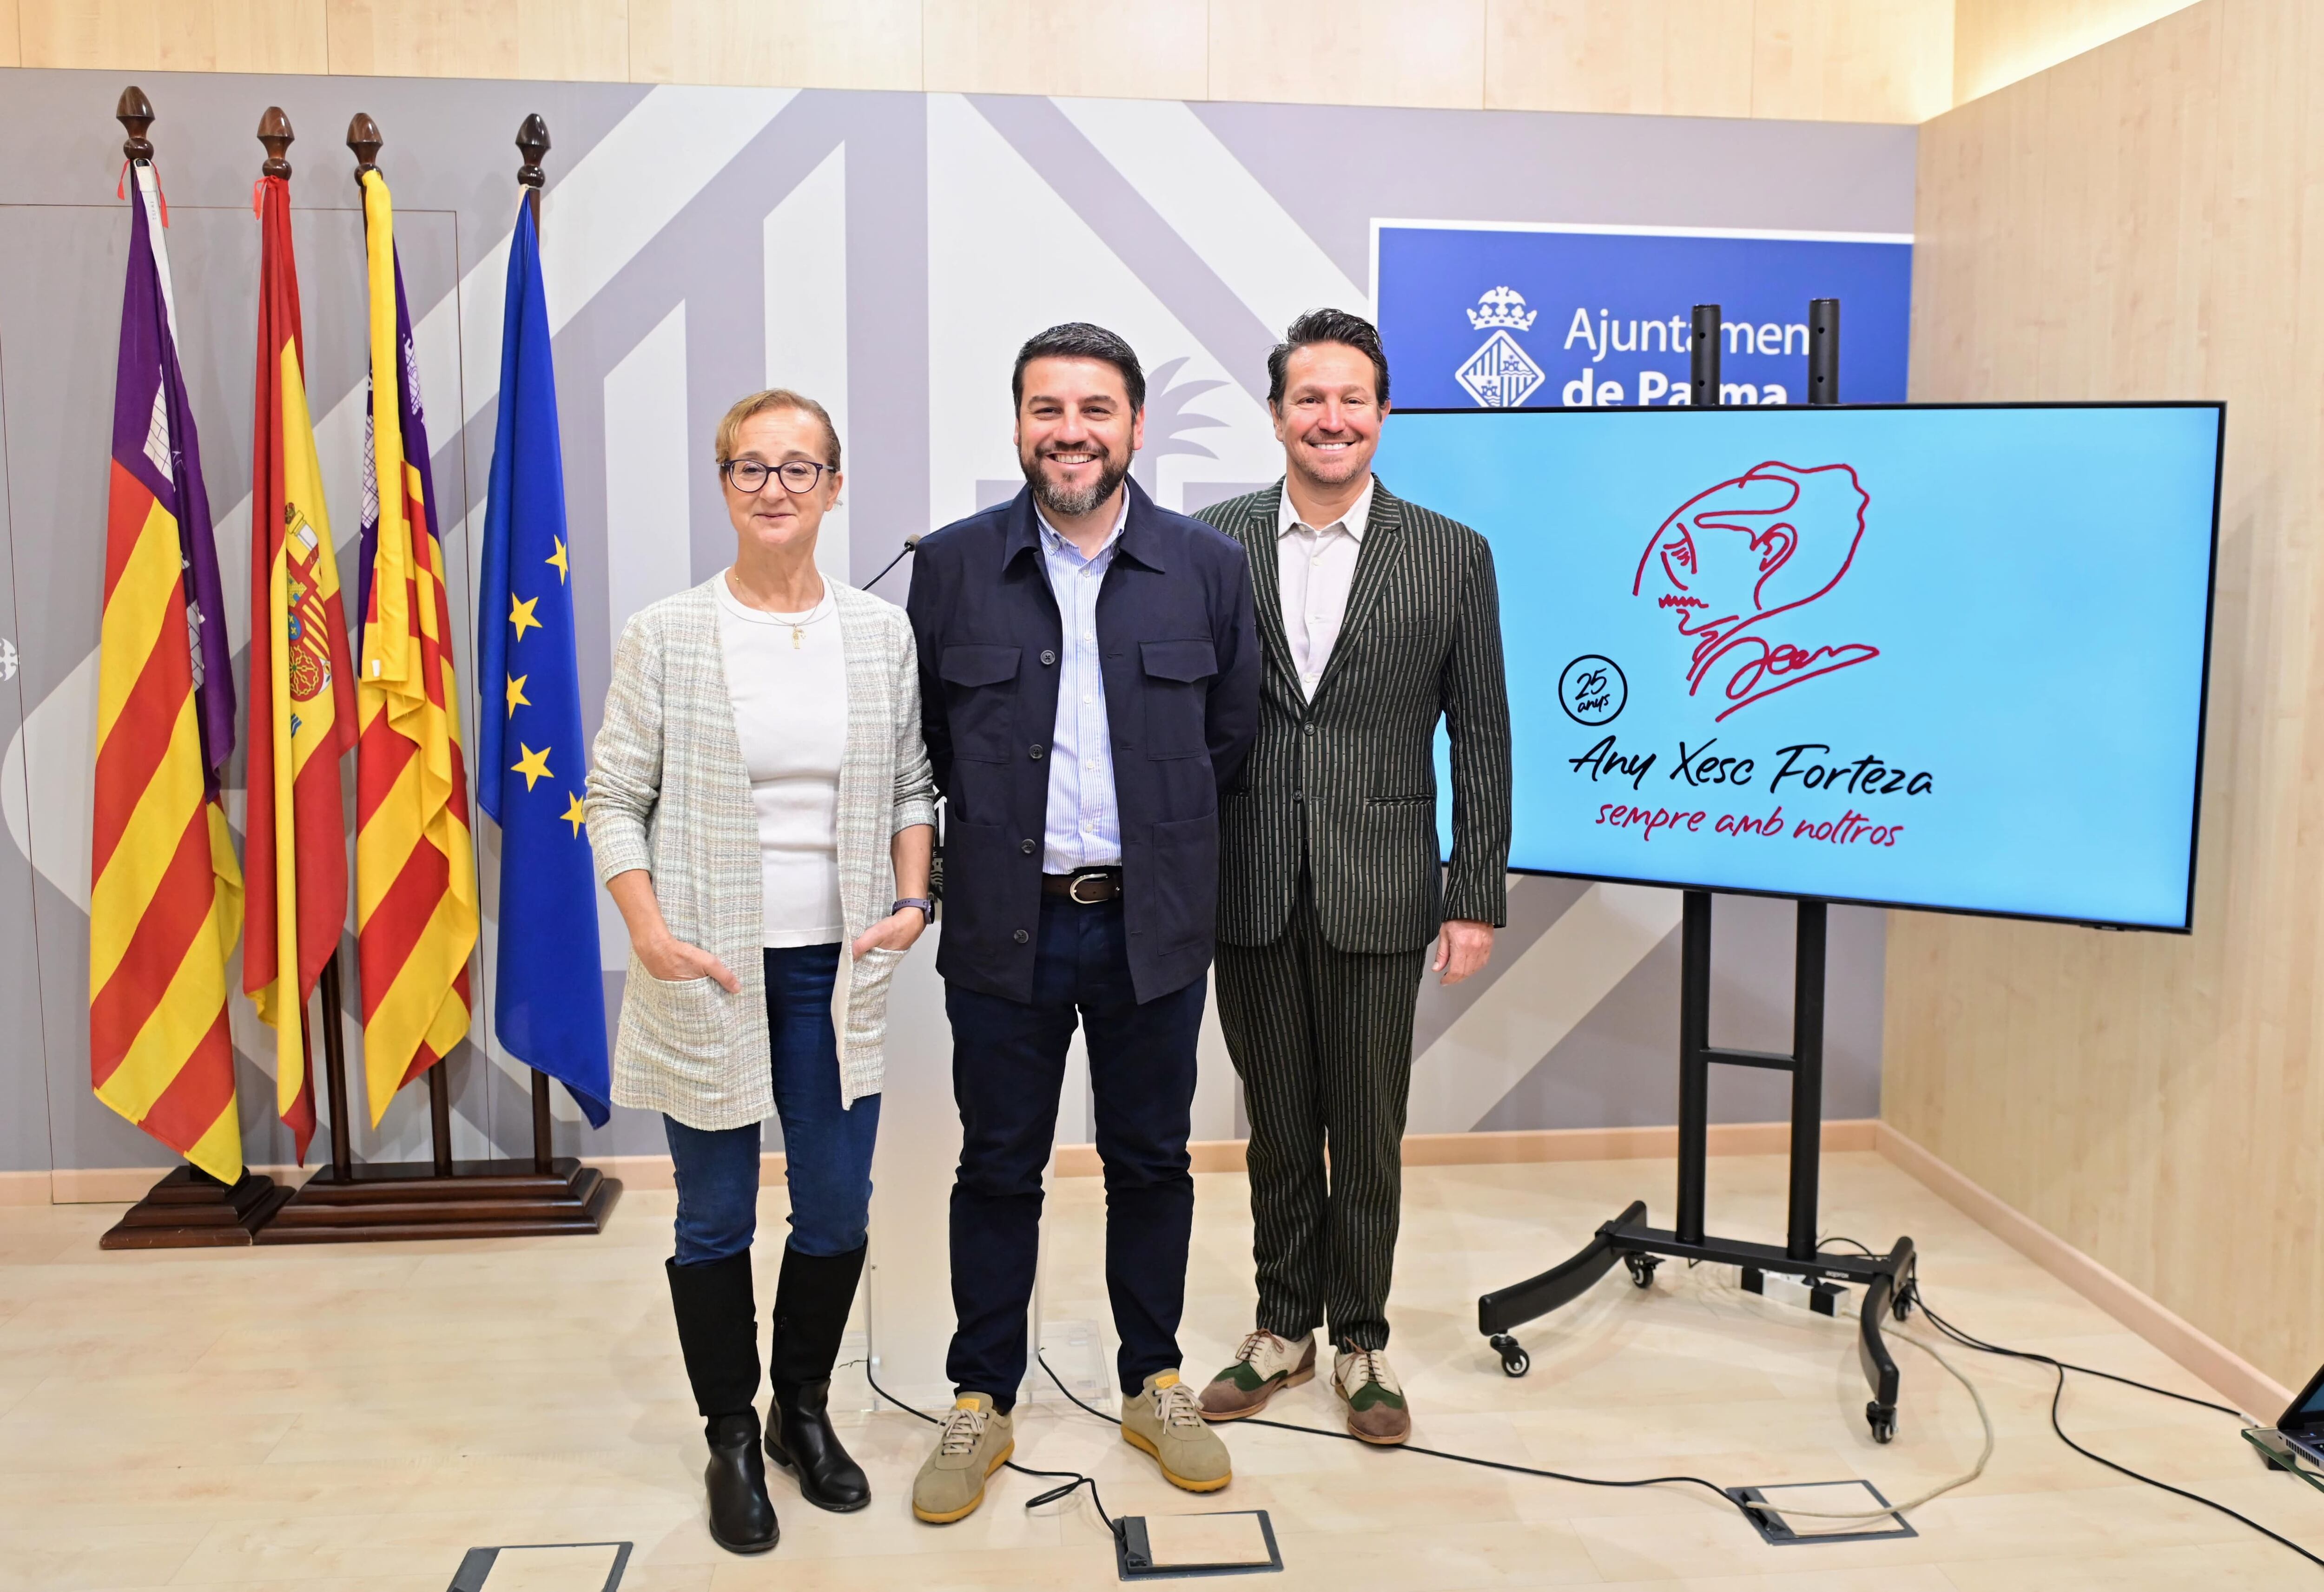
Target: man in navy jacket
x=1089, y=683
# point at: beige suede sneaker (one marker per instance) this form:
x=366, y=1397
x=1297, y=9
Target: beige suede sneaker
x=1372, y=1395
x=976, y=1440
x=1263, y=1365
x=1162, y=1418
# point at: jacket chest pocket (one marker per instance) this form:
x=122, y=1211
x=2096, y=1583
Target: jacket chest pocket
x=979, y=685
x=1176, y=695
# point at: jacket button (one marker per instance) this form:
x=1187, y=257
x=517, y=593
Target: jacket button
x=1021, y=936
x=1047, y=656
x=1307, y=729
x=1026, y=847
x=1035, y=751
x=1298, y=796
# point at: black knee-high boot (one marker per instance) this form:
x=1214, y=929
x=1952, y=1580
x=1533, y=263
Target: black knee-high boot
x=719, y=1330
x=811, y=1305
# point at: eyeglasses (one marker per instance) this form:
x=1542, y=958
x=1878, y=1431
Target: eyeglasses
x=749, y=475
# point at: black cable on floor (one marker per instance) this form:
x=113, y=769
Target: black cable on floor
x=1054, y=1494
x=1587, y=1481
x=2057, y=1396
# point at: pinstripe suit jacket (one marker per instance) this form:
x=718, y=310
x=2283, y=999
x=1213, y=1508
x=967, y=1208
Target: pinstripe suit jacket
x=1344, y=786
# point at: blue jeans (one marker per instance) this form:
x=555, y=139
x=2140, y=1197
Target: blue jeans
x=827, y=1148
x=1008, y=1067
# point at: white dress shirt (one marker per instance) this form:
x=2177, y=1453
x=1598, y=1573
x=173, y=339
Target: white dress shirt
x=1315, y=566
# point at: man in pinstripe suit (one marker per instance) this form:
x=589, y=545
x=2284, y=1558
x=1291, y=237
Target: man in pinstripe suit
x=1376, y=618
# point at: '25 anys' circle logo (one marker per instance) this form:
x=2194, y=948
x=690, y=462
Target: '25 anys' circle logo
x=1592, y=690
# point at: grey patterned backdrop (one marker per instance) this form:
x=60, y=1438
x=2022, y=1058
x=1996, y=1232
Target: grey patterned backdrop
x=885, y=252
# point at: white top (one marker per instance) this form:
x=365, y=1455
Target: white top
x=1315, y=567
x=787, y=674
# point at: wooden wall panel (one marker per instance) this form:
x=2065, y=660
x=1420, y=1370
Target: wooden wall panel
x=1998, y=41
x=562, y=39
x=1155, y=50
x=2158, y=1102
x=1845, y=60
x=1688, y=58
x=173, y=35
x=1407, y=53
x=787, y=44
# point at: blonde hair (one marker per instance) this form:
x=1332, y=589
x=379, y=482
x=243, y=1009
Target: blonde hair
x=759, y=403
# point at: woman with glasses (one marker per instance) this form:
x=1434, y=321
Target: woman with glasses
x=761, y=810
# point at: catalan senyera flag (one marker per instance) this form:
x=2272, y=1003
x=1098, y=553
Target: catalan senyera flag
x=549, y=1000
x=165, y=896
x=303, y=717
x=415, y=863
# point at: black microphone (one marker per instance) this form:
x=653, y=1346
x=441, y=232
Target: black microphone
x=910, y=542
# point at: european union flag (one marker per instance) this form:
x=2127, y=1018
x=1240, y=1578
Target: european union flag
x=549, y=1010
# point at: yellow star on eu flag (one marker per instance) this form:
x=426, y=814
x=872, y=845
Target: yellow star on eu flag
x=574, y=815
x=557, y=558
x=533, y=765
x=516, y=696
x=521, y=614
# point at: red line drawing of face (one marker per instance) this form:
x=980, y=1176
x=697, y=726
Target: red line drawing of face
x=1732, y=559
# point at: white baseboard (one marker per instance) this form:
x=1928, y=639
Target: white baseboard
x=2202, y=1354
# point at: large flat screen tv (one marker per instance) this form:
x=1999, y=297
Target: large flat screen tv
x=1933, y=656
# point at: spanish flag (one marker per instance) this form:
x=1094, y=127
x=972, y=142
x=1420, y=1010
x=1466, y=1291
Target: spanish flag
x=302, y=711
x=415, y=864
x=165, y=897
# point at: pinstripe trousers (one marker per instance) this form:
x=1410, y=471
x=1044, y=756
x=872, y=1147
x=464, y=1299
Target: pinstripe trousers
x=1321, y=1039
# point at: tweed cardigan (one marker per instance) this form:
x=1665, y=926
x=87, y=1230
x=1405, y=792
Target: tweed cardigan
x=667, y=792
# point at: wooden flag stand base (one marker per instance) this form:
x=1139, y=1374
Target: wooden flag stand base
x=191, y=1210
x=344, y=1203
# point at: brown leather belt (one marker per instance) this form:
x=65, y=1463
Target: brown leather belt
x=1084, y=887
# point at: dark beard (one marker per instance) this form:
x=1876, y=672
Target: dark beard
x=1073, y=505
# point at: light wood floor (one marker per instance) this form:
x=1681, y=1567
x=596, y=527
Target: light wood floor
x=353, y=1418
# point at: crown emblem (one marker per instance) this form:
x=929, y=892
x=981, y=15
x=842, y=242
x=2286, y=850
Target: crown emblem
x=1502, y=307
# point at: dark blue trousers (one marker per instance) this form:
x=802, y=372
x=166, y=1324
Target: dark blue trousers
x=1007, y=1068
x=827, y=1147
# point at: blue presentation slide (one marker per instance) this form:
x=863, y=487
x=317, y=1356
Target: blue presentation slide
x=1950, y=657
x=1499, y=318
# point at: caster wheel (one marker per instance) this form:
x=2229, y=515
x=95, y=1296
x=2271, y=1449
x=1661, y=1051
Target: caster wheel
x=1883, y=1421
x=1642, y=1269
x=1514, y=1361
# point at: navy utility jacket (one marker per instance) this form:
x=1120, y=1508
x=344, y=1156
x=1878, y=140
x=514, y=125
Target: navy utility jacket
x=1179, y=652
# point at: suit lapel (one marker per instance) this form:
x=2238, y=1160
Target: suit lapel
x=1383, y=547
x=1257, y=534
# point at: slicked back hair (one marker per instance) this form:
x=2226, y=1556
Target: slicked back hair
x=1078, y=340
x=1327, y=325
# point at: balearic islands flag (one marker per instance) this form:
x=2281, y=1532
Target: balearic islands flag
x=415, y=865
x=302, y=707
x=549, y=1004
x=165, y=897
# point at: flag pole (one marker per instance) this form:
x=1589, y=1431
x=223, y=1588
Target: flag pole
x=532, y=142
x=364, y=139
x=275, y=133
x=511, y=1198
x=187, y=1208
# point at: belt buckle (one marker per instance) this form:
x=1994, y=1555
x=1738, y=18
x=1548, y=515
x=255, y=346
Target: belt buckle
x=1074, y=890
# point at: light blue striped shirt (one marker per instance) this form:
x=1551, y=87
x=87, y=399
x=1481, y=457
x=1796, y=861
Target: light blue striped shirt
x=1083, y=828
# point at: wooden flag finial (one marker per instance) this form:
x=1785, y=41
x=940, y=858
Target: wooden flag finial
x=275, y=133
x=363, y=137
x=532, y=142
x=136, y=113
